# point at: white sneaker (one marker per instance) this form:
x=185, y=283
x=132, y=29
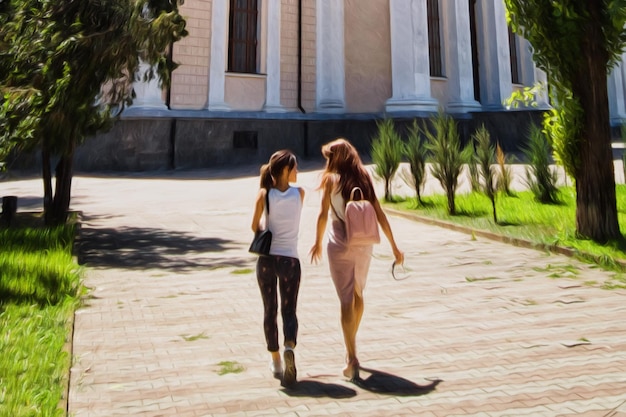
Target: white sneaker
x=276, y=369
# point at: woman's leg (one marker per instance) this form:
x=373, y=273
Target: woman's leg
x=289, y=273
x=266, y=277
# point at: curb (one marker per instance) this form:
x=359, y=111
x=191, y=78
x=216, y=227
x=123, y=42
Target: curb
x=573, y=253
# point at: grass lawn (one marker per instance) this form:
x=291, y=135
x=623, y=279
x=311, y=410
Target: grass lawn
x=521, y=217
x=39, y=291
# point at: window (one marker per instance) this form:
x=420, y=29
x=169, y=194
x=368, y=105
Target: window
x=242, y=42
x=514, y=62
x=434, y=39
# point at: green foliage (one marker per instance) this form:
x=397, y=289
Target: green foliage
x=622, y=131
x=416, y=153
x=474, y=175
x=387, y=150
x=230, y=367
x=505, y=174
x=576, y=43
x=39, y=291
x=562, y=125
x=67, y=67
x=485, y=155
x=523, y=217
x=541, y=179
x=447, y=155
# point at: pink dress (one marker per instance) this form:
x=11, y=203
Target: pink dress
x=349, y=265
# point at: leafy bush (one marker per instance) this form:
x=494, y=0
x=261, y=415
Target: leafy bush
x=485, y=155
x=505, y=175
x=416, y=153
x=387, y=150
x=474, y=174
x=540, y=178
x=448, y=157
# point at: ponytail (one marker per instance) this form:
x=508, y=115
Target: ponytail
x=278, y=161
x=266, y=177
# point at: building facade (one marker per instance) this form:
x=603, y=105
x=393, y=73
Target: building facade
x=255, y=76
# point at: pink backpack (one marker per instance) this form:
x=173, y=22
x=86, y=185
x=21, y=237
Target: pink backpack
x=361, y=221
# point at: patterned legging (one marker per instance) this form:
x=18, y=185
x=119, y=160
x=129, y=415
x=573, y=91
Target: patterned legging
x=284, y=271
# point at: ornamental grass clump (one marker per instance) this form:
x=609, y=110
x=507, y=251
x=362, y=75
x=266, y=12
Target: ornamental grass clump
x=540, y=177
x=504, y=177
x=485, y=156
x=387, y=149
x=446, y=154
x=416, y=153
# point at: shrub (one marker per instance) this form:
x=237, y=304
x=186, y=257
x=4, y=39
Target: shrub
x=505, y=175
x=387, y=149
x=540, y=178
x=448, y=157
x=485, y=155
x=416, y=153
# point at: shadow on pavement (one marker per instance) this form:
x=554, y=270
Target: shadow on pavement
x=384, y=383
x=143, y=248
x=317, y=389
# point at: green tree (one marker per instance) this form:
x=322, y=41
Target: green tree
x=447, y=154
x=66, y=71
x=416, y=153
x=485, y=157
x=576, y=42
x=387, y=148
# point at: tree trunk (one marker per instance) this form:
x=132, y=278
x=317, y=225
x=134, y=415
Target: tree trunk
x=63, y=187
x=387, y=189
x=596, y=206
x=451, y=205
x=46, y=175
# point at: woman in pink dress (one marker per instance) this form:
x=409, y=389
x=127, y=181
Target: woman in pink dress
x=349, y=265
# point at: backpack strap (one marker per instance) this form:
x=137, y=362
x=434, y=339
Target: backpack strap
x=353, y=191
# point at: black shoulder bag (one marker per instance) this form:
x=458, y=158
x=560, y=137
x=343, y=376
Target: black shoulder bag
x=262, y=238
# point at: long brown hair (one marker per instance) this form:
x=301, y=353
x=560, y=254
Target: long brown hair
x=342, y=158
x=272, y=170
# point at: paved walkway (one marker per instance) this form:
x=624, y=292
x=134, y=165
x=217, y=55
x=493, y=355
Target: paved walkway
x=479, y=328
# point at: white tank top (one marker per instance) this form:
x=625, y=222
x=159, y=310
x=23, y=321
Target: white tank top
x=284, y=221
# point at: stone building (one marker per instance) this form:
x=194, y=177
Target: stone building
x=259, y=75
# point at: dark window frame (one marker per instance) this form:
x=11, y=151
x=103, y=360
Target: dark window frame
x=243, y=36
x=514, y=54
x=434, y=39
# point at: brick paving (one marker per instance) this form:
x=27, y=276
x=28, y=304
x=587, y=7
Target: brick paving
x=479, y=328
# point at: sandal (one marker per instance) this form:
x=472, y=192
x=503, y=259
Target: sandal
x=351, y=371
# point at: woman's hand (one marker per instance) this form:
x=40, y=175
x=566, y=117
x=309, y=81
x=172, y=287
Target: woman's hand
x=399, y=255
x=316, y=253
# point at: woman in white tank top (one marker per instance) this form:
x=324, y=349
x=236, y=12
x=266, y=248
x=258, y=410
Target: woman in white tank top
x=280, y=270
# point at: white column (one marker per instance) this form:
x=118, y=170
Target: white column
x=148, y=94
x=219, y=52
x=331, y=94
x=459, y=68
x=495, y=65
x=410, y=68
x=617, y=107
x=272, y=81
x=532, y=76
